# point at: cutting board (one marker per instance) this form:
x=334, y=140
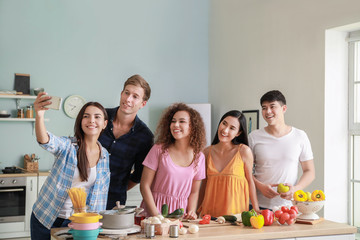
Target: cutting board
x=212, y=224
x=311, y=222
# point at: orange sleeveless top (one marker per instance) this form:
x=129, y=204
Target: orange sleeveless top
x=226, y=192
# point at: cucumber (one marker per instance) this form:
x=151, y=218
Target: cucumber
x=164, y=210
x=179, y=211
x=230, y=218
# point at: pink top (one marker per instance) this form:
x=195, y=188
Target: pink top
x=172, y=183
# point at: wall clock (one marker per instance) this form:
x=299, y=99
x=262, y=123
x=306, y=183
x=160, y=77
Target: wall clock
x=73, y=104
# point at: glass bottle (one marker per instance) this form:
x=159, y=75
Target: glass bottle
x=20, y=113
x=29, y=112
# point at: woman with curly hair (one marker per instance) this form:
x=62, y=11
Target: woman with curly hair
x=175, y=166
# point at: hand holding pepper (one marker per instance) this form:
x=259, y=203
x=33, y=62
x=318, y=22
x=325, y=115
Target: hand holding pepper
x=289, y=194
x=267, y=190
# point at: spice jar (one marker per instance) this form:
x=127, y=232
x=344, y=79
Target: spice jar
x=174, y=231
x=149, y=230
x=29, y=112
x=20, y=113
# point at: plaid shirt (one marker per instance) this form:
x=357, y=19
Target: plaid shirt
x=126, y=156
x=54, y=191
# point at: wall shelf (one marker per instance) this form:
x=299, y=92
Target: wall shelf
x=18, y=99
x=17, y=96
x=17, y=119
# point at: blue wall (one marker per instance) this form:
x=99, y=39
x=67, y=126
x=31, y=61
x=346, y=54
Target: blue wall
x=90, y=48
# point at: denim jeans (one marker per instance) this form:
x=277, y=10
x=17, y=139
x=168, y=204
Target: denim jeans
x=40, y=232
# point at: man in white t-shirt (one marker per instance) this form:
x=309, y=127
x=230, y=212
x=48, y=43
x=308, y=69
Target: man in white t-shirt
x=278, y=149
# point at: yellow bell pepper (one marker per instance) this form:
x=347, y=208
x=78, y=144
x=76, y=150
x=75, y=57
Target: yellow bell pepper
x=318, y=195
x=300, y=196
x=257, y=221
x=309, y=196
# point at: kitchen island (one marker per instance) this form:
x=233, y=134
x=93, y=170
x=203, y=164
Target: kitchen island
x=326, y=230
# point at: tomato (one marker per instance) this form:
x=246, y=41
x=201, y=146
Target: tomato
x=284, y=209
x=281, y=221
x=204, y=222
x=284, y=217
x=278, y=213
x=206, y=217
x=295, y=208
x=180, y=224
x=290, y=221
x=292, y=213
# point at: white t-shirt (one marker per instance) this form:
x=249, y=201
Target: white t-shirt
x=67, y=210
x=277, y=160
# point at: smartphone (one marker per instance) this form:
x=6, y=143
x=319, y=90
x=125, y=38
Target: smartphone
x=55, y=102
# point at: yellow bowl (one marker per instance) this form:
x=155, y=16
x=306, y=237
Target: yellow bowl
x=85, y=217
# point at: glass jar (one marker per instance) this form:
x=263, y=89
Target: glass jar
x=20, y=113
x=29, y=112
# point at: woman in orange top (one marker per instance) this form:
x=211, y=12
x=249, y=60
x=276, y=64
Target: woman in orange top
x=229, y=162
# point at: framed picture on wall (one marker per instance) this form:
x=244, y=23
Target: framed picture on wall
x=252, y=120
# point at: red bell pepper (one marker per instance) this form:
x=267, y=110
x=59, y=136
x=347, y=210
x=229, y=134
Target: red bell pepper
x=205, y=219
x=268, y=217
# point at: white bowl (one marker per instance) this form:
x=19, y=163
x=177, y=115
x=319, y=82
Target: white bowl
x=308, y=210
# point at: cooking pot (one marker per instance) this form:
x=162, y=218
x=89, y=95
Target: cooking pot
x=120, y=217
x=117, y=219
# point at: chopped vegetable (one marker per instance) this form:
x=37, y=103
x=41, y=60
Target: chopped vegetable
x=205, y=219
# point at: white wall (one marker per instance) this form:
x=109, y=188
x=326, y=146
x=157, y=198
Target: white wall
x=257, y=45
x=90, y=48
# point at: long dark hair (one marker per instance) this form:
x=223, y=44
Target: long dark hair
x=83, y=163
x=242, y=138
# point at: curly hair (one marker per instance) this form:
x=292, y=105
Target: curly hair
x=197, y=130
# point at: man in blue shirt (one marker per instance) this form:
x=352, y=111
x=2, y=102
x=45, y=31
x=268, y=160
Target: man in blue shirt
x=127, y=139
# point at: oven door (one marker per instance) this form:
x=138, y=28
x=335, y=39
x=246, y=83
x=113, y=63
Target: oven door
x=12, y=204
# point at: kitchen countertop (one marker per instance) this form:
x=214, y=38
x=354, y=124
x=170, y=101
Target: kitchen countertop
x=27, y=174
x=267, y=232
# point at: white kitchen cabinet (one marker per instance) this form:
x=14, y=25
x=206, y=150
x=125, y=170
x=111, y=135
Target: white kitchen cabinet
x=31, y=196
x=332, y=237
x=134, y=196
x=40, y=182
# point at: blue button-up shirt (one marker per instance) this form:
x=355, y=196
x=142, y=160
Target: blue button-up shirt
x=126, y=156
x=54, y=191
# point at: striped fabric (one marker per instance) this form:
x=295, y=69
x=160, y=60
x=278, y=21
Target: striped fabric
x=54, y=191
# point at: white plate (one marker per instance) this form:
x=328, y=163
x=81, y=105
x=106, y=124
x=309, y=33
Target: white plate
x=133, y=229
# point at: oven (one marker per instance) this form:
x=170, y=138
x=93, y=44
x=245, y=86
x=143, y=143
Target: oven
x=12, y=199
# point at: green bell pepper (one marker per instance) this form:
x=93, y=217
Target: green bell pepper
x=245, y=217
